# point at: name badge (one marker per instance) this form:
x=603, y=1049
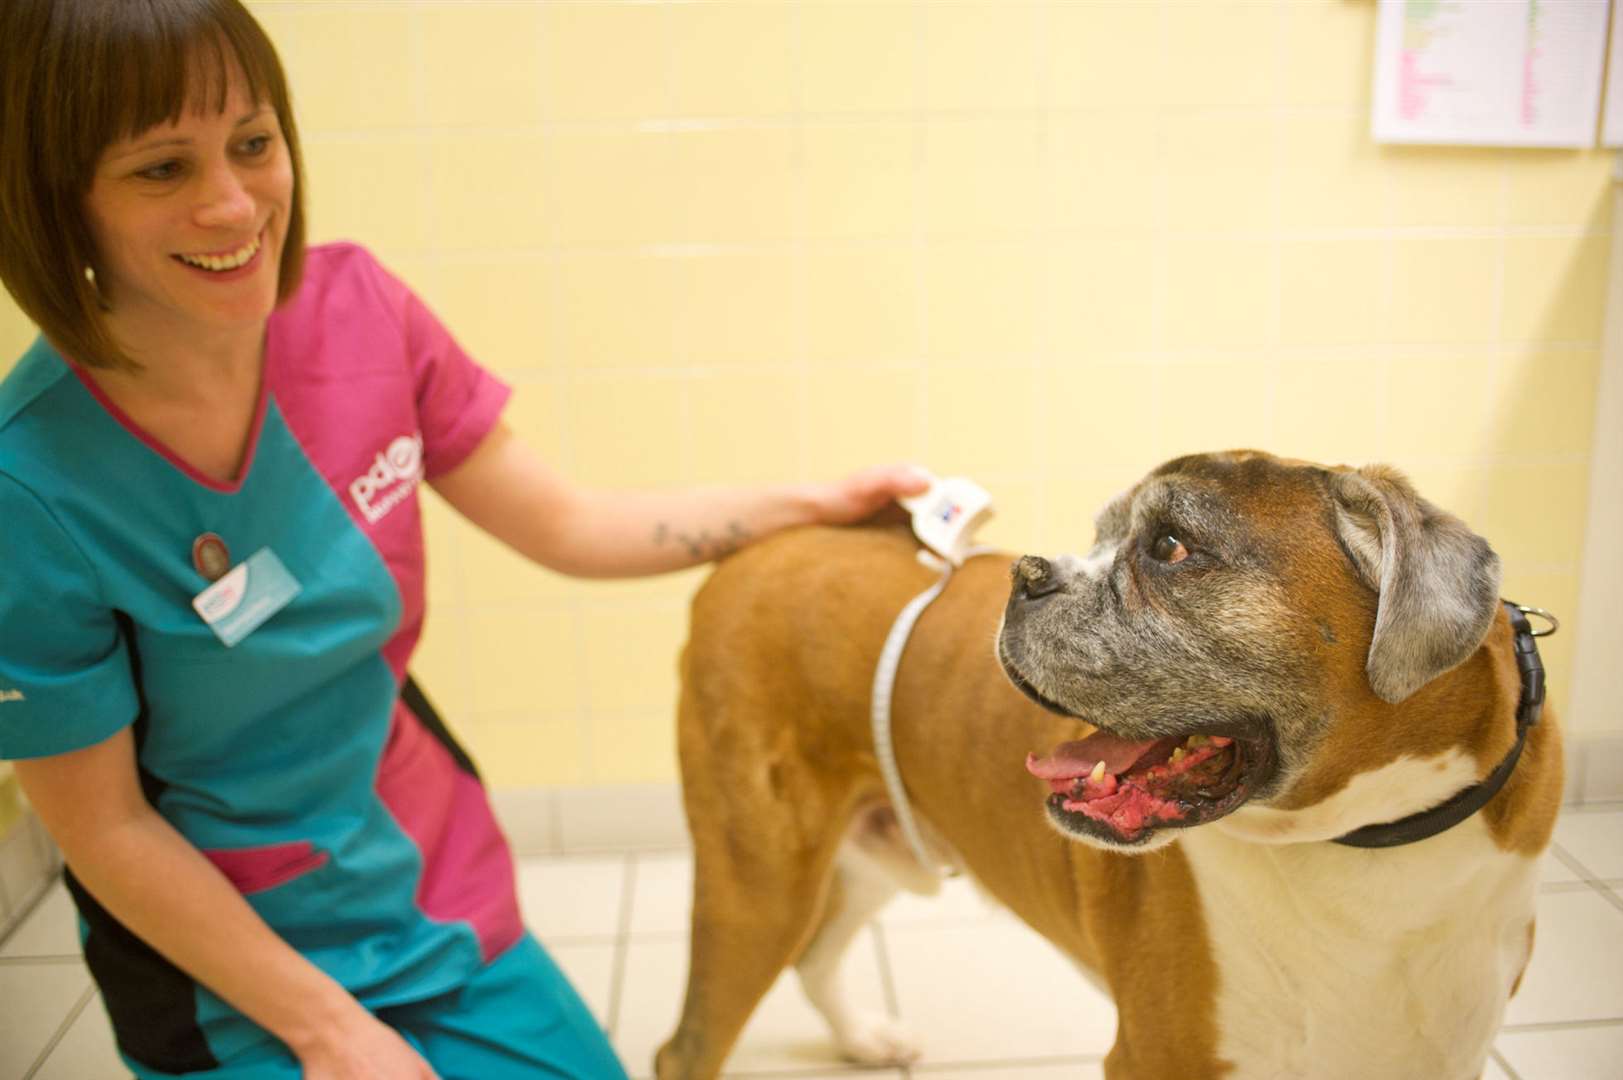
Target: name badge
x=248, y=594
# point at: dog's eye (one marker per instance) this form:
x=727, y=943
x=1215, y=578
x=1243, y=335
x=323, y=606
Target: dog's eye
x=1168, y=549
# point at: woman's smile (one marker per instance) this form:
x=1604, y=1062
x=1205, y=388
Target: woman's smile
x=219, y=262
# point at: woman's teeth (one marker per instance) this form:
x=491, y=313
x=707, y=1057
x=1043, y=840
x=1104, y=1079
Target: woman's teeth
x=223, y=262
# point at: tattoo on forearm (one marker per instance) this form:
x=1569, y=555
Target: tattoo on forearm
x=704, y=546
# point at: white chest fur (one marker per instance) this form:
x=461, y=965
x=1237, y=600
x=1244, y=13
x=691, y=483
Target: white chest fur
x=1342, y=964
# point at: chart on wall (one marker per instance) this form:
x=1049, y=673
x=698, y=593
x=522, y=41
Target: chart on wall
x=1489, y=72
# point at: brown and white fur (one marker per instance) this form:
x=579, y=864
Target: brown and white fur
x=1343, y=627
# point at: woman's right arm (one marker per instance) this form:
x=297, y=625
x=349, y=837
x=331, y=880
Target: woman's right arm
x=168, y=894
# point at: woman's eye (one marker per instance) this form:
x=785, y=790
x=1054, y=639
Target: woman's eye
x=256, y=145
x=1168, y=549
x=164, y=170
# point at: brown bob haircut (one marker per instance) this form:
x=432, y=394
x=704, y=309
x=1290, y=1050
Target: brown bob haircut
x=79, y=75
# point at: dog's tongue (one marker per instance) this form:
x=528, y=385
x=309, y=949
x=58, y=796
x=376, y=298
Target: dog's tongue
x=1073, y=759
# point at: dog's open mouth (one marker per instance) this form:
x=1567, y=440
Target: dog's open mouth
x=1122, y=790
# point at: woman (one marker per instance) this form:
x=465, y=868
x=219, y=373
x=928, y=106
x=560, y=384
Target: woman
x=212, y=584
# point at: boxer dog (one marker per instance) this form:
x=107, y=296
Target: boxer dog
x=1256, y=658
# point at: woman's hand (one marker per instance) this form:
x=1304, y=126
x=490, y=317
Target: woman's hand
x=864, y=494
x=363, y=1048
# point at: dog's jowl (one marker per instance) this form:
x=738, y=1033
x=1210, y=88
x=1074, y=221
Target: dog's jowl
x=1296, y=685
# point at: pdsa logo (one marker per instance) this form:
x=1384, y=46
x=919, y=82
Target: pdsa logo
x=391, y=479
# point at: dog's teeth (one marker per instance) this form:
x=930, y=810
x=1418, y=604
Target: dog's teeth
x=1098, y=773
x=1177, y=755
x=1195, y=742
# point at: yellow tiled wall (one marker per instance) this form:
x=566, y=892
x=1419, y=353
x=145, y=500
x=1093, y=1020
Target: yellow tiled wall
x=1044, y=244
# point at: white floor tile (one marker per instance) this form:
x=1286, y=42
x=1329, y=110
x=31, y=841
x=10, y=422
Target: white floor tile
x=993, y=992
x=87, y=1051
x=662, y=898
x=573, y=896
x=590, y=969
x=1565, y=982
x=23, y=866
x=1552, y=870
x=38, y=997
x=785, y=1034
x=51, y=929
x=1594, y=839
x=1587, y=1053
x=988, y=999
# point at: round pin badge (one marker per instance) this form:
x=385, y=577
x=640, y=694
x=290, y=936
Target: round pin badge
x=210, y=556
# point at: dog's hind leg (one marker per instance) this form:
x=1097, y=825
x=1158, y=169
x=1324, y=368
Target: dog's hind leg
x=761, y=878
x=864, y=881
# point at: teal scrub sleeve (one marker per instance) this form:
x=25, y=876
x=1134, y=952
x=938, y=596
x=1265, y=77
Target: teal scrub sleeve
x=65, y=678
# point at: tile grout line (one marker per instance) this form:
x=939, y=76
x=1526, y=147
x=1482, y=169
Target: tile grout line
x=622, y=944
x=887, y=983
x=30, y=905
x=1499, y=1059
x=1562, y=1025
x=1608, y=894
x=1590, y=878
x=1571, y=861
x=988, y=1065
x=61, y=1032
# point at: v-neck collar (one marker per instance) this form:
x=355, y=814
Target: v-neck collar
x=159, y=447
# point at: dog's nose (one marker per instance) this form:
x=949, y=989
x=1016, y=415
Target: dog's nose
x=1034, y=578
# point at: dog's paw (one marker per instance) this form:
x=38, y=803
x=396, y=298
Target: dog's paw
x=876, y=1039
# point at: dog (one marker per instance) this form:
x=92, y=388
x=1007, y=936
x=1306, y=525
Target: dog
x=1258, y=656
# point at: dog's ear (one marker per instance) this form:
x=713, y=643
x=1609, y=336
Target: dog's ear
x=1438, y=582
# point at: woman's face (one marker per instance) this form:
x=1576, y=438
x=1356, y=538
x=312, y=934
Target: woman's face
x=189, y=221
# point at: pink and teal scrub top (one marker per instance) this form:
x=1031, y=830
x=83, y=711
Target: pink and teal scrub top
x=302, y=762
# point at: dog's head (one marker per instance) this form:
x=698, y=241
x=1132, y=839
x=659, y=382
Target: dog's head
x=1233, y=610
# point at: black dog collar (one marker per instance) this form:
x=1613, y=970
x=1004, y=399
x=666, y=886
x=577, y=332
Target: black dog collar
x=1429, y=823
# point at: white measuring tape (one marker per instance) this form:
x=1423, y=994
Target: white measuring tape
x=944, y=518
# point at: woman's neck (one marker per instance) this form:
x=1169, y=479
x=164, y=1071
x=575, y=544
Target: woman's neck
x=186, y=370
x=195, y=395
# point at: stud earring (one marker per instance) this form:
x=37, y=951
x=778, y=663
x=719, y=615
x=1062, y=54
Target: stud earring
x=95, y=287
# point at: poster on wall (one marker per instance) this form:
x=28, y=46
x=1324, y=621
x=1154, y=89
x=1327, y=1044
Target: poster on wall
x=1489, y=72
